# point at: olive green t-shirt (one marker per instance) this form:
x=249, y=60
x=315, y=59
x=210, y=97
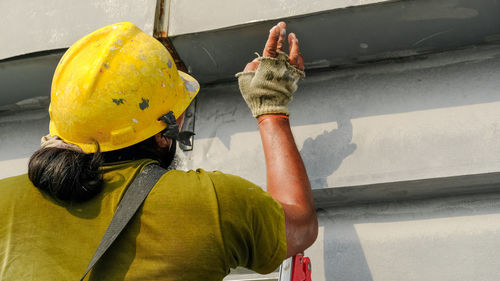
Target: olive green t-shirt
x=193, y=226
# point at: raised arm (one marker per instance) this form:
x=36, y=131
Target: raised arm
x=267, y=86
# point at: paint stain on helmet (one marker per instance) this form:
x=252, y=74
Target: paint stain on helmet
x=169, y=63
x=144, y=104
x=118, y=101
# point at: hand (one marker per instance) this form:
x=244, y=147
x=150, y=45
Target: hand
x=275, y=42
x=268, y=83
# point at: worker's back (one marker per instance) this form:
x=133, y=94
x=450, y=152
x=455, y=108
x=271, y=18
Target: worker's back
x=192, y=226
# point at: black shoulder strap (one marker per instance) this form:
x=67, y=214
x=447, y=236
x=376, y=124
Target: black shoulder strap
x=128, y=206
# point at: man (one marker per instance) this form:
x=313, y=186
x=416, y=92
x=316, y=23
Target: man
x=117, y=104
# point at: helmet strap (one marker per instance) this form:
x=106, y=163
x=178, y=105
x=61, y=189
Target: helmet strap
x=172, y=130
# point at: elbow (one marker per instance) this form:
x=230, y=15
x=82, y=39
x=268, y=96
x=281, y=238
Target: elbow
x=312, y=232
x=315, y=230
x=302, y=231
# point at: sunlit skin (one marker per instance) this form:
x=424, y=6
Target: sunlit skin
x=287, y=180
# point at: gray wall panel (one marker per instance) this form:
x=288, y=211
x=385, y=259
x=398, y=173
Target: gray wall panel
x=33, y=26
x=192, y=16
x=427, y=118
x=433, y=240
x=348, y=36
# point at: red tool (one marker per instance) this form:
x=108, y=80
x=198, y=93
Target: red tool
x=296, y=268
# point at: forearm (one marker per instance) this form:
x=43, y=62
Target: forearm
x=287, y=182
x=287, y=179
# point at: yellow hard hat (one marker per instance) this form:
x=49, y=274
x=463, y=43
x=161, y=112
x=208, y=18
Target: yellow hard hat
x=112, y=86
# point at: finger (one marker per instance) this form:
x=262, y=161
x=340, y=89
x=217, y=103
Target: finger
x=251, y=66
x=294, y=50
x=300, y=62
x=299, y=59
x=272, y=42
x=282, y=37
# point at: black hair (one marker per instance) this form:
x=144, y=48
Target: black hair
x=68, y=175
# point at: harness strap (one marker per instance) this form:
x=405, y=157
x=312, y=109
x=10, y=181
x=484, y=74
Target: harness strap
x=128, y=206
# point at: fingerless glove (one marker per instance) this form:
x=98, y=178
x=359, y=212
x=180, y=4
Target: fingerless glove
x=269, y=89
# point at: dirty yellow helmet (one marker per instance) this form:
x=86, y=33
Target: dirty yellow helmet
x=111, y=87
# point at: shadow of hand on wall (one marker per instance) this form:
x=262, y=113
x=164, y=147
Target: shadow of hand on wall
x=343, y=258
x=324, y=154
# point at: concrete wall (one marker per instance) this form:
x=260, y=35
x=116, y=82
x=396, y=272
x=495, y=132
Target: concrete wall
x=192, y=16
x=32, y=26
x=360, y=34
x=430, y=117
x=26, y=78
x=20, y=134
x=433, y=240
x=52, y=26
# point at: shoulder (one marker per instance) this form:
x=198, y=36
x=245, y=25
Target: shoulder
x=228, y=181
x=236, y=194
x=15, y=184
x=229, y=189
x=19, y=178
x=214, y=178
x=16, y=189
x=236, y=187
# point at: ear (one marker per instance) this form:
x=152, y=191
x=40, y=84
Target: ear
x=162, y=141
x=180, y=120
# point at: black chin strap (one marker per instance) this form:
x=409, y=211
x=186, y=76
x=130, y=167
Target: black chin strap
x=172, y=130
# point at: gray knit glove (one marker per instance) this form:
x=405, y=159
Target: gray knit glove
x=269, y=89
